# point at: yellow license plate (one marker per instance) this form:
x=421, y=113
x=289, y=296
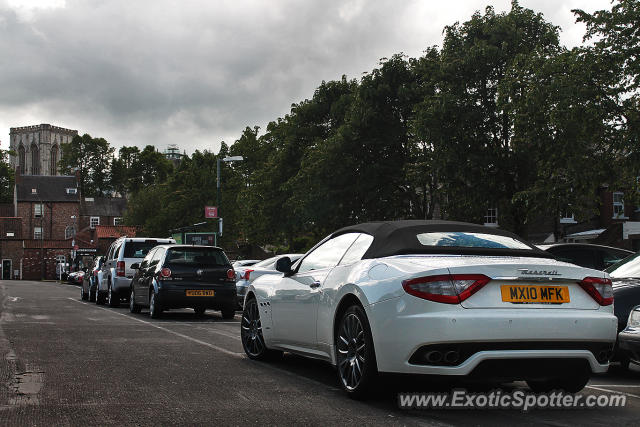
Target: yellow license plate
x=535, y=294
x=200, y=293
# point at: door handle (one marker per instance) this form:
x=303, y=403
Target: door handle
x=314, y=285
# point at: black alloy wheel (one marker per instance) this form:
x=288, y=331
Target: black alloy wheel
x=133, y=307
x=155, y=309
x=251, y=333
x=355, y=356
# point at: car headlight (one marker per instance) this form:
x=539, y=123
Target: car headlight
x=634, y=318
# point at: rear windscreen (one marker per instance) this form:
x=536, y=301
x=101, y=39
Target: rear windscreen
x=467, y=239
x=138, y=249
x=197, y=256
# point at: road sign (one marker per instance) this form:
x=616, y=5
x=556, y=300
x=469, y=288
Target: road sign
x=211, y=212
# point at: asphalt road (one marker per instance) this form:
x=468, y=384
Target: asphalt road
x=68, y=362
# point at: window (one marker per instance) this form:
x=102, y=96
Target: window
x=72, y=190
x=469, y=239
x=117, y=221
x=195, y=256
x=327, y=254
x=138, y=249
x=34, y=191
x=93, y=221
x=35, y=160
x=567, y=217
x=491, y=217
x=155, y=258
x=54, y=160
x=21, y=160
x=37, y=232
x=618, y=204
x=10, y=234
x=69, y=232
x=355, y=252
x=38, y=210
x=145, y=261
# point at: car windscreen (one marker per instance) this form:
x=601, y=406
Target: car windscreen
x=464, y=239
x=628, y=267
x=197, y=256
x=138, y=249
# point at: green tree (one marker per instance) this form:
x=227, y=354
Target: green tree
x=7, y=178
x=91, y=158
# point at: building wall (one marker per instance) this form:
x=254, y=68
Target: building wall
x=11, y=249
x=37, y=261
x=56, y=217
x=45, y=137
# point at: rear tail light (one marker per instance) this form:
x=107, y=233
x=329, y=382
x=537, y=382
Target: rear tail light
x=165, y=272
x=120, y=269
x=246, y=275
x=231, y=275
x=600, y=289
x=446, y=288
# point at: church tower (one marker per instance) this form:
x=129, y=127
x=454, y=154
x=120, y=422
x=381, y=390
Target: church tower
x=37, y=148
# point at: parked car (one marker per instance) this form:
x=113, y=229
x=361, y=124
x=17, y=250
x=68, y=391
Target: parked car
x=629, y=339
x=179, y=276
x=244, y=263
x=247, y=275
x=625, y=276
x=586, y=254
x=434, y=297
x=116, y=270
x=90, y=282
x=75, y=277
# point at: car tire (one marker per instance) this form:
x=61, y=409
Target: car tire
x=133, y=307
x=570, y=383
x=228, y=313
x=112, y=298
x=83, y=295
x=355, y=356
x=155, y=309
x=624, y=362
x=99, y=297
x=92, y=295
x=251, y=334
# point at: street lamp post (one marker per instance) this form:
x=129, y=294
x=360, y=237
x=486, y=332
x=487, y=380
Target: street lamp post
x=226, y=159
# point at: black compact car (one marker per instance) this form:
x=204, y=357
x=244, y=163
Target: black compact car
x=629, y=339
x=184, y=276
x=587, y=255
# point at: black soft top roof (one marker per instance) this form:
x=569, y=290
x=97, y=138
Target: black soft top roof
x=399, y=238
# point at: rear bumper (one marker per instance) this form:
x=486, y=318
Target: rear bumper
x=172, y=296
x=629, y=345
x=122, y=285
x=404, y=326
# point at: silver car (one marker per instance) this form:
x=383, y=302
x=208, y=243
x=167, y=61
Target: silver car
x=116, y=270
x=246, y=275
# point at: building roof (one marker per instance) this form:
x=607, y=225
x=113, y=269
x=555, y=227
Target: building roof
x=114, y=231
x=103, y=206
x=47, y=188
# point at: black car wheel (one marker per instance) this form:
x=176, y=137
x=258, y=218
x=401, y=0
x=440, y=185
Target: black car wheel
x=99, y=297
x=133, y=307
x=355, y=357
x=251, y=333
x=228, y=313
x=112, y=298
x=155, y=309
x=83, y=295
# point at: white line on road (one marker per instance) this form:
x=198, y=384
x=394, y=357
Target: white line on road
x=187, y=337
x=613, y=391
x=617, y=385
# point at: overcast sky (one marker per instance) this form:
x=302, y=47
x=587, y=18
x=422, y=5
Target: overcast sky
x=197, y=72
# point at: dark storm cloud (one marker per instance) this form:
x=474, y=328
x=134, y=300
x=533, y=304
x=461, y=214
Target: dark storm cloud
x=194, y=72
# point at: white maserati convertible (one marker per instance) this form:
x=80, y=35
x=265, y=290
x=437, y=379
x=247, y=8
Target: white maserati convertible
x=437, y=298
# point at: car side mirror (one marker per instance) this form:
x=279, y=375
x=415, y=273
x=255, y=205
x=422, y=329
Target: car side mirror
x=135, y=266
x=283, y=265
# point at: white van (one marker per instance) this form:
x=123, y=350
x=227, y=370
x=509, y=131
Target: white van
x=116, y=270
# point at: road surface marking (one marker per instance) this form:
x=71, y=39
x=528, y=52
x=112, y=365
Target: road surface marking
x=613, y=391
x=178, y=334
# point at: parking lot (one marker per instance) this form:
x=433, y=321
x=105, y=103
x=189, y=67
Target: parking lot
x=68, y=362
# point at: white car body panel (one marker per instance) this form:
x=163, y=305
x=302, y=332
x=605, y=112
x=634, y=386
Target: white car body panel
x=300, y=319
